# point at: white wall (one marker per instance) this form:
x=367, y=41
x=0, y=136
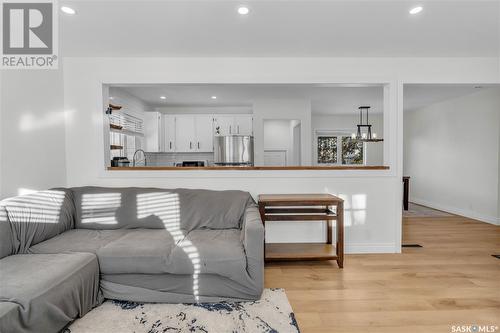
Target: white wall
x=374, y=150
x=277, y=135
x=373, y=198
x=451, y=153
x=32, y=131
x=284, y=109
x=130, y=104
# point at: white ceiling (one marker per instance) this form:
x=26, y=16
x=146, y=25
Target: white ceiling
x=324, y=99
x=281, y=28
x=417, y=96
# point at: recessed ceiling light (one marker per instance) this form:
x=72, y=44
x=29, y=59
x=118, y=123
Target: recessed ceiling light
x=242, y=10
x=416, y=10
x=68, y=10
x=111, y=98
x=213, y=97
x=163, y=97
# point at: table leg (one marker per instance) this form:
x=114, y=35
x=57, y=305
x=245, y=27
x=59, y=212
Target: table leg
x=329, y=233
x=340, y=234
x=406, y=193
x=262, y=211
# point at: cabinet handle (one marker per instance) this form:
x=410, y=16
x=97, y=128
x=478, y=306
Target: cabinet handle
x=190, y=145
x=229, y=129
x=170, y=144
x=238, y=129
x=198, y=145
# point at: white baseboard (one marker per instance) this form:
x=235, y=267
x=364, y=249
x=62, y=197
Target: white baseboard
x=458, y=211
x=367, y=248
x=371, y=248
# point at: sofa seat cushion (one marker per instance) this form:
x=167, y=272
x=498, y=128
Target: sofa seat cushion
x=78, y=240
x=144, y=251
x=51, y=289
x=210, y=252
x=138, y=251
x=9, y=317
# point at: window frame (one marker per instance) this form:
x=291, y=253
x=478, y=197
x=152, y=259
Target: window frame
x=339, y=134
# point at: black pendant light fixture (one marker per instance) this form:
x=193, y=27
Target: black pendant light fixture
x=364, y=131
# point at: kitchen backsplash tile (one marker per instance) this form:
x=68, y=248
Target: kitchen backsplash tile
x=169, y=159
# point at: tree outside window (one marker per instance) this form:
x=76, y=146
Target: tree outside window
x=327, y=150
x=352, y=151
x=339, y=149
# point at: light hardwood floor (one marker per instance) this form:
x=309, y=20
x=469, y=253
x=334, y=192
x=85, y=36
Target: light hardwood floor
x=452, y=280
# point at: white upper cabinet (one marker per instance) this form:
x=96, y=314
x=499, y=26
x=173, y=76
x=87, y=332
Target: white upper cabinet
x=223, y=125
x=244, y=124
x=193, y=133
x=169, y=126
x=204, y=133
x=230, y=124
x=190, y=133
x=185, y=134
x=153, y=132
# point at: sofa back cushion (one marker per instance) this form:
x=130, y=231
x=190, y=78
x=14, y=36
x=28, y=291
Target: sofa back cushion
x=38, y=216
x=132, y=207
x=6, y=244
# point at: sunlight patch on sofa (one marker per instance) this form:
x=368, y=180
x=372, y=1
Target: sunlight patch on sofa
x=166, y=206
x=25, y=191
x=100, y=207
x=38, y=207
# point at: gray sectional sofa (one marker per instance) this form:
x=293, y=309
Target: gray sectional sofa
x=64, y=250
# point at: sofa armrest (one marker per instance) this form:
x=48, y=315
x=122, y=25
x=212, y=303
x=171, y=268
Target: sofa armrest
x=252, y=237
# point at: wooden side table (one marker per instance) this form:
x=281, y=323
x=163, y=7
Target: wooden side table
x=304, y=207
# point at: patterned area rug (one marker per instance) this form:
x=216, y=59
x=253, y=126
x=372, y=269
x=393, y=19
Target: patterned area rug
x=271, y=314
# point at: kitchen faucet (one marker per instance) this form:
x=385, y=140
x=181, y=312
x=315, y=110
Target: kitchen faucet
x=144, y=153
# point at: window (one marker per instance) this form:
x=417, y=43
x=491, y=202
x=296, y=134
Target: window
x=327, y=150
x=352, y=151
x=339, y=149
x=126, y=131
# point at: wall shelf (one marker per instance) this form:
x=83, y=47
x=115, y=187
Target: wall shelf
x=125, y=131
x=115, y=127
x=115, y=147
